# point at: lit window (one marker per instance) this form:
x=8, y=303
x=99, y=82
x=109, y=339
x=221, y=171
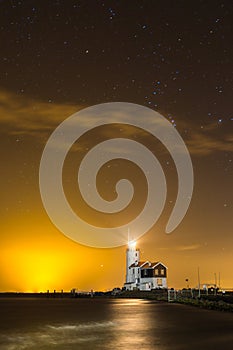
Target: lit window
x=162, y=271
x=159, y=281
x=156, y=272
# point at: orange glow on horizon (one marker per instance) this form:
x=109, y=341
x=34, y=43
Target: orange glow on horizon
x=40, y=258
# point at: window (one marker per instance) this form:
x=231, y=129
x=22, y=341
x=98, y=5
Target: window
x=162, y=271
x=156, y=272
x=147, y=273
x=159, y=282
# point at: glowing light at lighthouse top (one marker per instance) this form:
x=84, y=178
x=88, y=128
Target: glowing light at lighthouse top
x=132, y=245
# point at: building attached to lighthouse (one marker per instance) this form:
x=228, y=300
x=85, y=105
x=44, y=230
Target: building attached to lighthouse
x=143, y=275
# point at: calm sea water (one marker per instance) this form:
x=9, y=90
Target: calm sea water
x=81, y=324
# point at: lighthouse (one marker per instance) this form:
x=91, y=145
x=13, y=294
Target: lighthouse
x=132, y=257
x=143, y=275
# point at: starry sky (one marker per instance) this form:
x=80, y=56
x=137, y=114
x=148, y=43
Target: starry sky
x=57, y=57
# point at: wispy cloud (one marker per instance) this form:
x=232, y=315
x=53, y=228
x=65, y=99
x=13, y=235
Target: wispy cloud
x=188, y=247
x=182, y=247
x=23, y=115
x=203, y=144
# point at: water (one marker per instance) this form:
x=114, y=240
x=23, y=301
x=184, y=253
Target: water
x=81, y=324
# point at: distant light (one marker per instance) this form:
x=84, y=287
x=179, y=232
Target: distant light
x=132, y=244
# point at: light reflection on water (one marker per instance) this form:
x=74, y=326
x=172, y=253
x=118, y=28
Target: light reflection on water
x=127, y=324
x=134, y=324
x=105, y=324
x=57, y=337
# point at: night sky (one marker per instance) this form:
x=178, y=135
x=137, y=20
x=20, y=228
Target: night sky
x=57, y=57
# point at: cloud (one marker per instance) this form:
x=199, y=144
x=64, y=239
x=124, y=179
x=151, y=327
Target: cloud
x=188, y=247
x=23, y=115
x=203, y=144
x=182, y=247
x=20, y=114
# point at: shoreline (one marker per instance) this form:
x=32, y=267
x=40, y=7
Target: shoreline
x=211, y=302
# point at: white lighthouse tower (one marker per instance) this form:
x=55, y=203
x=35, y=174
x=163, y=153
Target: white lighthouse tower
x=132, y=257
x=143, y=275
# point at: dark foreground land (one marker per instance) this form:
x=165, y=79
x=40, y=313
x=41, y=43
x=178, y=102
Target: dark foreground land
x=110, y=323
x=212, y=301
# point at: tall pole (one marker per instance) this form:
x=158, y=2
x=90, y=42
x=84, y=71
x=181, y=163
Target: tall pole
x=215, y=277
x=199, y=284
x=219, y=281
